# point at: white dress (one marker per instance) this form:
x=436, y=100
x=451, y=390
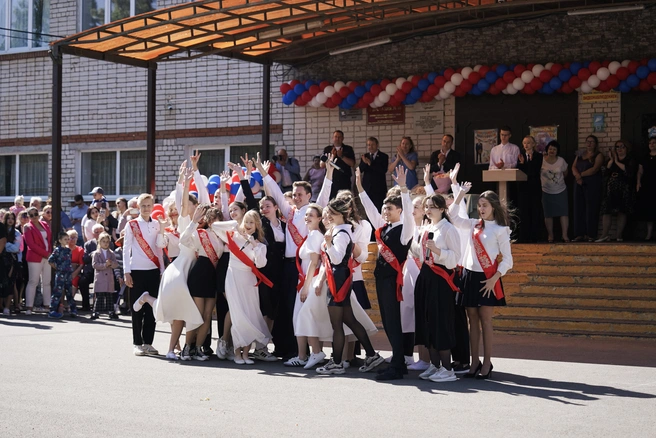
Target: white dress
x=248, y=324
x=311, y=318
x=410, y=274
x=174, y=302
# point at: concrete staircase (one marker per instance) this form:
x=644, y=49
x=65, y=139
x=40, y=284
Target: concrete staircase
x=571, y=290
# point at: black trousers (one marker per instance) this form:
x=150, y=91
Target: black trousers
x=460, y=353
x=83, y=287
x=283, y=330
x=530, y=214
x=390, y=313
x=587, y=200
x=143, y=321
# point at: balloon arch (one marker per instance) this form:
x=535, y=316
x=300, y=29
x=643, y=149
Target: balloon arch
x=550, y=78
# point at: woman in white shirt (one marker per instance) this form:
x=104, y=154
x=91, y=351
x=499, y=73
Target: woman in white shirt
x=554, y=190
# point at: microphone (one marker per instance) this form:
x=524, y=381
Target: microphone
x=324, y=158
x=248, y=241
x=428, y=251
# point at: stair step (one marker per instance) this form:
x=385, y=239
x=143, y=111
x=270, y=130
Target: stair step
x=616, y=257
x=566, y=325
x=588, y=333
x=619, y=280
x=575, y=301
x=589, y=290
x=578, y=313
x=607, y=248
x=595, y=268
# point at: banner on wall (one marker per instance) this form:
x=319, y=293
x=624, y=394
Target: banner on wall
x=386, y=115
x=543, y=135
x=484, y=141
x=429, y=123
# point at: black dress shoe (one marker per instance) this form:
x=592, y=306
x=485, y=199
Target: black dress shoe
x=390, y=374
x=486, y=376
x=474, y=374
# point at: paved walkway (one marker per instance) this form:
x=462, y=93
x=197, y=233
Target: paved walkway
x=65, y=378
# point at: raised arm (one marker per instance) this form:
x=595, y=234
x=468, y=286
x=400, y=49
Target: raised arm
x=370, y=209
x=272, y=187
x=203, y=195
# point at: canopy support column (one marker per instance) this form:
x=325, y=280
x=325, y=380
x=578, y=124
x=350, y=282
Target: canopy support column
x=151, y=124
x=57, y=80
x=266, y=110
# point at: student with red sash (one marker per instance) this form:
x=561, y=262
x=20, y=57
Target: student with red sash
x=143, y=266
x=338, y=265
x=487, y=257
x=435, y=290
x=394, y=231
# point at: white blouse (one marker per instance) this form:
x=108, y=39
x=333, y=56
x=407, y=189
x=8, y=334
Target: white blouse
x=361, y=237
x=447, y=239
x=495, y=239
x=312, y=245
x=193, y=241
x=256, y=251
x=337, y=250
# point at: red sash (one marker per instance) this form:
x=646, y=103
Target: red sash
x=232, y=246
x=417, y=261
x=206, y=243
x=338, y=295
x=299, y=268
x=489, y=268
x=293, y=231
x=438, y=270
x=136, y=231
x=390, y=258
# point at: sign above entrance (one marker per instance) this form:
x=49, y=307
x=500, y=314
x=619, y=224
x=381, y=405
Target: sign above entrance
x=610, y=96
x=350, y=115
x=386, y=115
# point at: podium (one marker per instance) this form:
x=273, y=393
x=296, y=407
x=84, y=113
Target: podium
x=502, y=176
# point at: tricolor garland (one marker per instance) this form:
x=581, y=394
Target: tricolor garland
x=550, y=78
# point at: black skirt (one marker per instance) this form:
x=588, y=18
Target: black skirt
x=471, y=287
x=434, y=311
x=221, y=272
x=341, y=275
x=199, y=286
x=361, y=294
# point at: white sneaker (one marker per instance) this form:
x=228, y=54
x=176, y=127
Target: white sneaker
x=443, y=375
x=249, y=361
x=388, y=359
x=314, y=360
x=420, y=365
x=371, y=362
x=222, y=349
x=264, y=355
x=172, y=356
x=230, y=354
x=139, y=303
x=331, y=368
x=238, y=360
x=197, y=354
x=150, y=350
x=295, y=362
x=432, y=369
x=409, y=360
x=138, y=350
x=186, y=353
x=6, y=312
x=28, y=312
x=346, y=364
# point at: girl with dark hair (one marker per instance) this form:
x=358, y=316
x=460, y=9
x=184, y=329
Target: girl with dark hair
x=554, y=191
x=406, y=157
x=587, y=191
x=487, y=258
x=646, y=187
x=13, y=259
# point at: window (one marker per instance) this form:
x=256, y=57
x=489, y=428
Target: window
x=25, y=174
x=119, y=173
x=98, y=12
x=25, y=24
x=213, y=161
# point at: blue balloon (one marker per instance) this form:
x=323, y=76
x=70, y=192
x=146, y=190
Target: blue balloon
x=433, y=75
x=624, y=87
x=345, y=105
x=368, y=85
x=483, y=85
x=423, y=84
x=633, y=81
x=565, y=75
x=359, y=91
x=575, y=67
x=352, y=99
x=643, y=71
x=501, y=69
x=299, y=89
x=586, y=64
x=289, y=97
x=442, y=72
x=512, y=67
x=652, y=64
x=491, y=77
x=555, y=83
x=476, y=91
x=256, y=177
x=308, y=84
x=409, y=100
x=214, y=178
x=212, y=187
x=195, y=194
x=546, y=89
x=416, y=93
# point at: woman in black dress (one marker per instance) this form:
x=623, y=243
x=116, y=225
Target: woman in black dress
x=647, y=186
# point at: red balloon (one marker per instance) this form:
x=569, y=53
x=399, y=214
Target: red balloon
x=375, y=89
x=426, y=97
x=565, y=88
x=368, y=98
x=622, y=73
x=329, y=104
x=494, y=67
x=384, y=83
x=528, y=89
x=605, y=63
x=633, y=66
x=459, y=70
x=594, y=66
x=519, y=69
x=575, y=82
x=474, y=77
x=493, y=90
x=415, y=80
x=294, y=83
x=508, y=77
x=584, y=74
x=459, y=92
x=644, y=85
x=424, y=76
x=465, y=85
x=567, y=65
x=336, y=99
x=399, y=96
x=501, y=84
x=299, y=101
x=353, y=85
x=651, y=78
x=192, y=187
x=556, y=68
x=439, y=81
x=644, y=61
x=536, y=83
x=530, y=66
x=285, y=87
x=613, y=81
x=314, y=90
x=362, y=104
x=603, y=86
x=483, y=70
x=306, y=96
x=344, y=92
x=407, y=87
x=323, y=85
x=394, y=102
x=546, y=75
x=448, y=73
x=433, y=90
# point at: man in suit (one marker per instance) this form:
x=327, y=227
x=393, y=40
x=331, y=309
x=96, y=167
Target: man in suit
x=344, y=157
x=289, y=168
x=373, y=166
x=444, y=159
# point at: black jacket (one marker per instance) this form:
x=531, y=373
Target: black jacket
x=374, y=178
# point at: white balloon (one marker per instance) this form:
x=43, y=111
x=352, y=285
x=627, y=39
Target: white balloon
x=348, y=84
x=329, y=91
x=527, y=76
x=603, y=73
x=321, y=98
x=339, y=85
x=400, y=82
x=410, y=78
x=477, y=67
x=511, y=90
x=585, y=87
x=391, y=89
x=626, y=62
x=384, y=96
x=456, y=79
x=593, y=81
x=548, y=65
x=613, y=66
x=537, y=69
x=466, y=72
x=504, y=91
x=518, y=84
x=444, y=94
x=314, y=103
x=449, y=87
x=376, y=103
